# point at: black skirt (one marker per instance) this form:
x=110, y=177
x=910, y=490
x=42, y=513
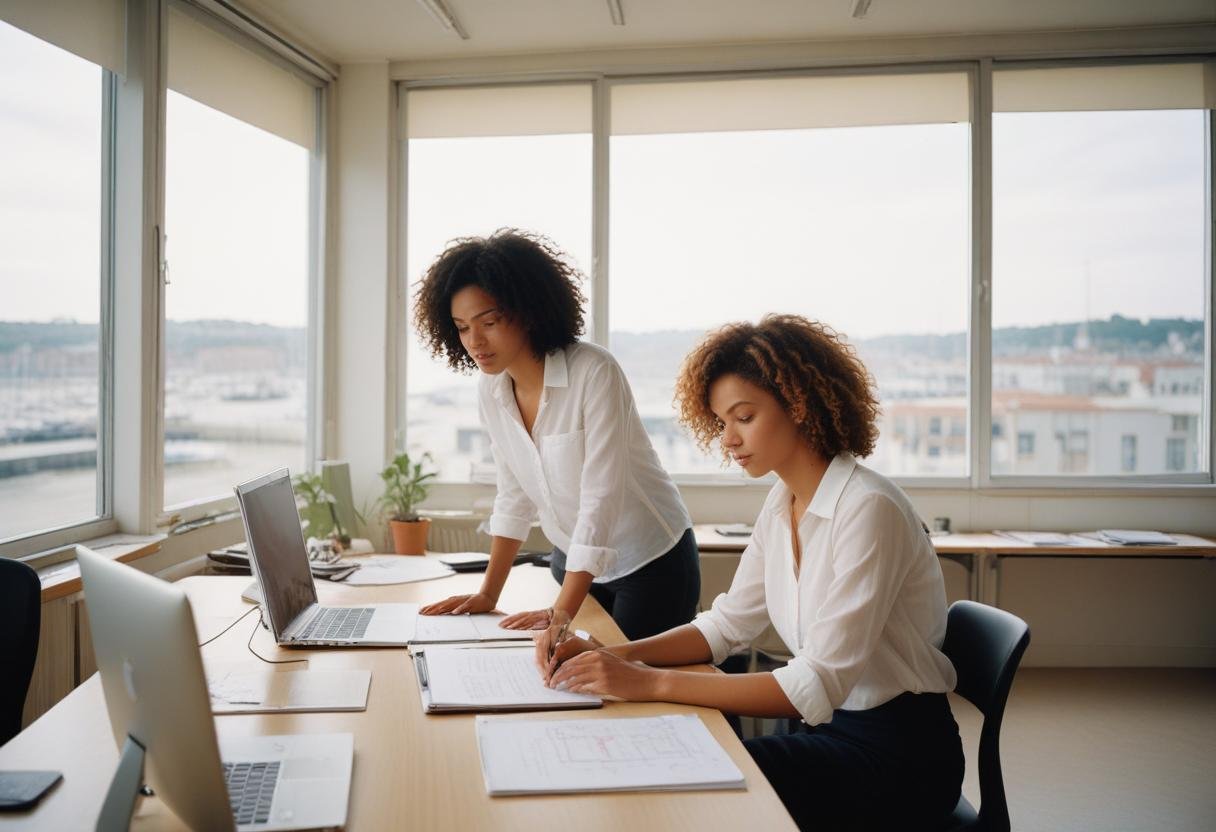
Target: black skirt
x=898, y=766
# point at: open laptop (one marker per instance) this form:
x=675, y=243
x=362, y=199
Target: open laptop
x=280, y=563
x=156, y=694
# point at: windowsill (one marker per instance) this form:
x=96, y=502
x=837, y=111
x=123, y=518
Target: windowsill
x=61, y=578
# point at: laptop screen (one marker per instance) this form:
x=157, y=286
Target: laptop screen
x=276, y=546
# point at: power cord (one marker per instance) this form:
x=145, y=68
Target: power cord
x=249, y=644
x=230, y=626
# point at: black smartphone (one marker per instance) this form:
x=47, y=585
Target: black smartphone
x=22, y=789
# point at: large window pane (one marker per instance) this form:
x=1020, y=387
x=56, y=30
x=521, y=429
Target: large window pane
x=856, y=223
x=236, y=308
x=471, y=185
x=1098, y=291
x=50, y=273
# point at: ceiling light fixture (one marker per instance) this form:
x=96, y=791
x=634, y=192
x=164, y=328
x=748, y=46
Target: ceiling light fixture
x=860, y=7
x=618, y=14
x=440, y=11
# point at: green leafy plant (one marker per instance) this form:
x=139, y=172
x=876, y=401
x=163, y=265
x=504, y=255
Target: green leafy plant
x=405, y=485
x=320, y=511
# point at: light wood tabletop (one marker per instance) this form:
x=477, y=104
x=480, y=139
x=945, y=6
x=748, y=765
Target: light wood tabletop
x=411, y=771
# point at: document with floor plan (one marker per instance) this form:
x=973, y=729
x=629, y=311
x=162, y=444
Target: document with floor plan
x=554, y=756
x=440, y=629
x=494, y=679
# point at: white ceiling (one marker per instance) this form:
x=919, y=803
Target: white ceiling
x=373, y=30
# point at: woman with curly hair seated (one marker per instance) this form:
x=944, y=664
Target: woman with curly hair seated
x=567, y=441
x=842, y=567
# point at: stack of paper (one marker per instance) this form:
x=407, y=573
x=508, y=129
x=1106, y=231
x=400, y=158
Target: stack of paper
x=477, y=679
x=1132, y=537
x=663, y=753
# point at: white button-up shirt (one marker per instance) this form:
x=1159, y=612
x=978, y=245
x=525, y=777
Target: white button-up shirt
x=864, y=614
x=588, y=468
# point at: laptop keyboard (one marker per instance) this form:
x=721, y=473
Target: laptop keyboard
x=337, y=624
x=251, y=790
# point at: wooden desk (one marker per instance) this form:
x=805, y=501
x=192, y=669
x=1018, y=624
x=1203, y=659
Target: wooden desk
x=411, y=771
x=980, y=553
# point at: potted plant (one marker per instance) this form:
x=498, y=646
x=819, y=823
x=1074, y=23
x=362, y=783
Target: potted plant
x=320, y=510
x=405, y=485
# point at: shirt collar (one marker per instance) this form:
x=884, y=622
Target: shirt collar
x=557, y=374
x=827, y=495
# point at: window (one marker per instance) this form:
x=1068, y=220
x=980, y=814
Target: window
x=843, y=198
x=51, y=271
x=479, y=159
x=1127, y=453
x=237, y=204
x=1098, y=306
x=1175, y=454
x=1025, y=444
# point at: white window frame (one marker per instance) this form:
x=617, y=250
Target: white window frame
x=979, y=478
x=131, y=382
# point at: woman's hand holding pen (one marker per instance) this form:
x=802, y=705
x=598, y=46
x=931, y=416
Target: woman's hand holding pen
x=550, y=653
x=604, y=673
x=461, y=604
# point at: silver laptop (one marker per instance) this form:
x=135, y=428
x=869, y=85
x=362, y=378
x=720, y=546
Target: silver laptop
x=156, y=694
x=280, y=563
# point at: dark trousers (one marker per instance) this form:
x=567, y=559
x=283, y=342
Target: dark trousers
x=651, y=600
x=897, y=766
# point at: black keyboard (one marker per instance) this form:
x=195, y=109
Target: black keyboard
x=337, y=624
x=251, y=790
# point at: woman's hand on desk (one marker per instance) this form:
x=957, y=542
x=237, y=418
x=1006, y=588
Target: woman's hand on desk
x=460, y=604
x=530, y=620
x=604, y=673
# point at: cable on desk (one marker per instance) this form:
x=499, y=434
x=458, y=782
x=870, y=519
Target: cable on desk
x=249, y=644
x=229, y=627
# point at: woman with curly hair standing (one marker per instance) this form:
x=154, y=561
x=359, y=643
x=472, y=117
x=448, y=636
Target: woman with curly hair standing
x=841, y=566
x=567, y=440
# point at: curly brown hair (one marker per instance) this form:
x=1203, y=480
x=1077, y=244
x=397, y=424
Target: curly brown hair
x=810, y=369
x=533, y=282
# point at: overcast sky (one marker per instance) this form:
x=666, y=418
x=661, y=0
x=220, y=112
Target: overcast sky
x=865, y=228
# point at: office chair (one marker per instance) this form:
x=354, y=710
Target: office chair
x=985, y=644
x=21, y=623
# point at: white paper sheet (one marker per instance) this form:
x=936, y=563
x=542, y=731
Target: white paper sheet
x=549, y=756
x=490, y=678
x=379, y=570
x=244, y=692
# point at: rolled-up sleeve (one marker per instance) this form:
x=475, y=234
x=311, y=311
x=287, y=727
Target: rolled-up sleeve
x=870, y=558
x=740, y=614
x=603, y=480
x=513, y=513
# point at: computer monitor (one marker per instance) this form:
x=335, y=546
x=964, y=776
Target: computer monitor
x=155, y=687
x=276, y=547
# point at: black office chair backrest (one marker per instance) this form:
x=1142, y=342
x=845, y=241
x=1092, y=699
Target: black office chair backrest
x=986, y=644
x=21, y=622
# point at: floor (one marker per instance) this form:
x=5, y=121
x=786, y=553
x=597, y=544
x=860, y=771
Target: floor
x=1104, y=749
x=1100, y=750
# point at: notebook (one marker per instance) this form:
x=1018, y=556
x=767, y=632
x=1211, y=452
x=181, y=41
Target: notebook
x=293, y=691
x=558, y=756
x=1041, y=538
x=454, y=679
x=441, y=629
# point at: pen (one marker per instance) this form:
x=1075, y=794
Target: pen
x=561, y=633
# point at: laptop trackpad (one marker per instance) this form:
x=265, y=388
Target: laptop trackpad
x=307, y=768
